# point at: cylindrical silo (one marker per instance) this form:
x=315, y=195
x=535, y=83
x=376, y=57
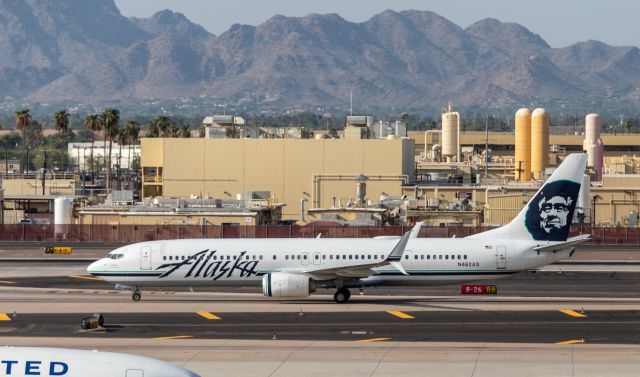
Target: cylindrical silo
x=584, y=195
x=523, y=145
x=592, y=128
x=449, y=134
x=539, y=143
x=62, y=212
x=591, y=136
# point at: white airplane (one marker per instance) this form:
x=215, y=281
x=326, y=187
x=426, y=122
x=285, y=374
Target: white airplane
x=296, y=267
x=49, y=362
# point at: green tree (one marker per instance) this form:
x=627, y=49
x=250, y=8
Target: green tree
x=62, y=121
x=23, y=121
x=111, y=121
x=185, y=131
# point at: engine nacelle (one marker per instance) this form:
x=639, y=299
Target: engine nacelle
x=283, y=284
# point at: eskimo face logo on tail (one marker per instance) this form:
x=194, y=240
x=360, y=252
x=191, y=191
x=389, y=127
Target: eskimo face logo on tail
x=550, y=212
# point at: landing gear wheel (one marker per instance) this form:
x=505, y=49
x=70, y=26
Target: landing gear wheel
x=342, y=296
x=136, y=296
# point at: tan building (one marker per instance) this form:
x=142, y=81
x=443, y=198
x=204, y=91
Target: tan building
x=60, y=184
x=309, y=173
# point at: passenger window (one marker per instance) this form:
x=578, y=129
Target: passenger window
x=406, y=257
x=422, y=256
x=298, y=257
x=428, y=256
x=286, y=257
x=246, y=257
x=164, y=257
x=350, y=256
x=459, y=256
x=446, y=257
x=304, y=257
x=317, y=256
x=439, y=256
x=324, y=257
x=261, y=257
x=356, y=256
x=465, y=257
x=170, y=257
x=274, y=257
x=362, y=257
x=415, y=256
x=331, y=256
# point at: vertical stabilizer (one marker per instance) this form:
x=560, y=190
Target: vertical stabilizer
x=548, y=215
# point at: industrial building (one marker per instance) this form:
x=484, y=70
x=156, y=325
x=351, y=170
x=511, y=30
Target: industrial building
x=302, y=174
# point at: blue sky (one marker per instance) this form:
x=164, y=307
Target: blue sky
x=559, y=22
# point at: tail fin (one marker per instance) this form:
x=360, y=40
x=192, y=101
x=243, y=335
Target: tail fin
x=548, y=215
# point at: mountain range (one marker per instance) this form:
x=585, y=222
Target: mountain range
x=86, y=51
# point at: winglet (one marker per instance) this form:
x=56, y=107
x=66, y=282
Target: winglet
x=398, y=250
x=416, y=229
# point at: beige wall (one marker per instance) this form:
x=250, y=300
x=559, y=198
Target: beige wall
x=34, y=186
x=288, y=168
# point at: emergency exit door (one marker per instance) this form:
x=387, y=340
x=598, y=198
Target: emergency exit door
x=501, y=257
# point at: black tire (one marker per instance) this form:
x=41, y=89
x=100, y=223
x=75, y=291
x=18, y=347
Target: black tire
x=136, y=296
x=342, y=296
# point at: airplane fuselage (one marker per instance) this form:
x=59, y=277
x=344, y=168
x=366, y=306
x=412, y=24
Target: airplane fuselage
x=243, y=262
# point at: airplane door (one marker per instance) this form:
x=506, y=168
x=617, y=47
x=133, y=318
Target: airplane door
x=305, y=259
x=501, y=257
x=145, y=258
x=317, y=258
x=134, y=373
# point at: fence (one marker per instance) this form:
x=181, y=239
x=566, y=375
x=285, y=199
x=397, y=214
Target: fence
x=138, y=233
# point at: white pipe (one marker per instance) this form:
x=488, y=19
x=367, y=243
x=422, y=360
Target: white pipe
x=426, y=133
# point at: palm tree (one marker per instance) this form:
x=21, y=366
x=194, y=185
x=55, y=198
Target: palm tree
x=93, y=123
x=173, y=131
x=154, y=129
x=62, y=121
x=122, y=139
x=23, y=120
x=133, y=131
x=185, y=131
x=111, y=119
x=164, y=125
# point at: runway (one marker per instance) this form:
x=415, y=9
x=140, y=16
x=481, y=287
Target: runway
x=566, y=320
x=593, y=327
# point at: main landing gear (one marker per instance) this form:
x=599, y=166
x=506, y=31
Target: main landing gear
x=136, y=296
x=342, y=295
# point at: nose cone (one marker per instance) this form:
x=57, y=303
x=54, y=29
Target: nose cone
x=94, y=267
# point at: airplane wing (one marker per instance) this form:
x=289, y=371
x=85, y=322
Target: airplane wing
x=573, y=241
x=357, y=270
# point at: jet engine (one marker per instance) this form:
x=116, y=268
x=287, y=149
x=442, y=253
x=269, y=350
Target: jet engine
x=283, y=284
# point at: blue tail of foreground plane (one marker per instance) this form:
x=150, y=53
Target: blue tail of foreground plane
x=548, y=215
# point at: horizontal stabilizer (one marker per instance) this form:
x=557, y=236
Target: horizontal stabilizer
x=573, y=241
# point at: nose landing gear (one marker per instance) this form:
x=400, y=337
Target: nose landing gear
x=136, y=296
x=342, y=295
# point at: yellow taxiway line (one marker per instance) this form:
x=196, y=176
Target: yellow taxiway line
x=7, y=282
x=4, y=317
x=173, y=337
x=573, y=313
x=372, y=340
x=85, y=277
x=208, y=315
x=572, y=341
x=400, y=314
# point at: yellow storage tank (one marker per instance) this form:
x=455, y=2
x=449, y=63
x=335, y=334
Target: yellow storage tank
x=539, y=143
x=523, y=145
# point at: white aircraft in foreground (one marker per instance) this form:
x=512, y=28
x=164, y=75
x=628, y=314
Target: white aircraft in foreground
x=296, y=267
x=49, y=362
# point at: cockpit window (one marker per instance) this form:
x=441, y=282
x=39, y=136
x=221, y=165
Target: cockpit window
x=115, y=256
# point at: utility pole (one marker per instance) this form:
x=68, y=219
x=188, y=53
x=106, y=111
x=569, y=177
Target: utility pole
x=44, y=171
x=486, y=146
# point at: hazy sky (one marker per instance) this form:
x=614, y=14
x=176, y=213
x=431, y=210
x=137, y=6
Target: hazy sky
x=559, y=22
